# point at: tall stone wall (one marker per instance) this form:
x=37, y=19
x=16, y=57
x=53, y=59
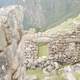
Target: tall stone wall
x=65, y=48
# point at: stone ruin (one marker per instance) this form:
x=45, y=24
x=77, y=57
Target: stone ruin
x=65, y=48
x=19, y=50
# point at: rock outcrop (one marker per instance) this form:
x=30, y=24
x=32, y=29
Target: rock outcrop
x=10, y=36
x=3, y=43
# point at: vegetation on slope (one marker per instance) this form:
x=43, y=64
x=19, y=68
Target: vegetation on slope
x=66, y=26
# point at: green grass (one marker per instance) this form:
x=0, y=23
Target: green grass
x=77, y=18
x=36, y=72
x=43, y=50
x=77, y=75
x=40, y=75
x=58, y=75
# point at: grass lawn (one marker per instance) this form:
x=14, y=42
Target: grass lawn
x=37, y=72
x=57, y=75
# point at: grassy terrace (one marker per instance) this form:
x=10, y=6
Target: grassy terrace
x=57, y=75
x=66, y=26
x=40, y=75
x=77, y=75
x=36, y=72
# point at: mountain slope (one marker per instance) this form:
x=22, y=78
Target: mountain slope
x=66, y=26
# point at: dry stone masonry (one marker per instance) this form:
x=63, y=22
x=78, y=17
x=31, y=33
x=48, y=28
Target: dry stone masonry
x=65, y=48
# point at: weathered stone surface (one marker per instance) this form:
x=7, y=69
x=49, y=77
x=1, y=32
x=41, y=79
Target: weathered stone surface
x=10, y=36
x=8, y=64
x=3, y=42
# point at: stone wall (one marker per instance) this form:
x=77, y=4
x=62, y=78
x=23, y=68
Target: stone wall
x=28, y=49
x=65, y=48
